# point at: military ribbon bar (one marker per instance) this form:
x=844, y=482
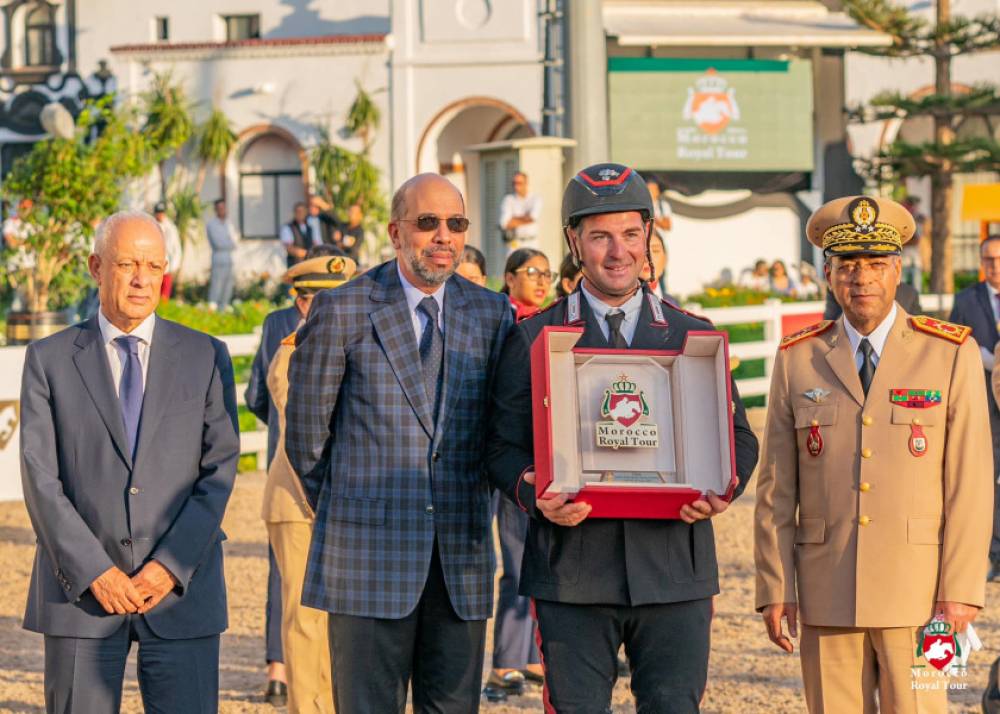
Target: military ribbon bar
x=915, y=398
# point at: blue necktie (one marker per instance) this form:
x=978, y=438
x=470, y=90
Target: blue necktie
x=130, y=390
x=431, y=350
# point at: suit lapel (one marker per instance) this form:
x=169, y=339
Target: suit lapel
x=841, y=361
x=983, y=295
x=394, y=328
x=158, y=387
x=457, y=335
x=91, y=362
x=896, y=355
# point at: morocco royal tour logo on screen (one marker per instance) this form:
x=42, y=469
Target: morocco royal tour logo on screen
x=711, y=106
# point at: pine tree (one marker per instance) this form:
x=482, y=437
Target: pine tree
x=946, y=154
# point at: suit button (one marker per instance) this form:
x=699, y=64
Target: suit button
x=126, y=541
x=866, y=453
x=133, y=491
x=865, y=487
x=429, y=509
x=437, y=456
x=867, y=420
x=66, y=586
x=864, y=520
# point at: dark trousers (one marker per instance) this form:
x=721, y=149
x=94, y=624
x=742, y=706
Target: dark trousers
x=272, y=612
x=374, y=659
x=667, y=646
x=995, y=541
x=84, y=676
x=513, y=629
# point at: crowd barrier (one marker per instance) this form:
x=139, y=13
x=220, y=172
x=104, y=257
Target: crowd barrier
x=778, y=319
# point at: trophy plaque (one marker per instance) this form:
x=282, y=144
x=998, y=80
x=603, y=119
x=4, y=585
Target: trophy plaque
x=634, y=433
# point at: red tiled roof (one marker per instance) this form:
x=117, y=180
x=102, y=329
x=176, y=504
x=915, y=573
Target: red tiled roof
x=282, y=42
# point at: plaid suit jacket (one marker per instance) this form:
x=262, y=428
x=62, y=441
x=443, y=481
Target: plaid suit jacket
x=384, y=479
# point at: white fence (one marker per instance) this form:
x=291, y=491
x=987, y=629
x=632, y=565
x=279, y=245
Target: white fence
x=255, y=442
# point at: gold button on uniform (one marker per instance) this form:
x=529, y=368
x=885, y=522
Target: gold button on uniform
x=867, y=420
x=917, y=421
x=865, y=487
x=866, y=453
x=864, y=520
x=814, y=422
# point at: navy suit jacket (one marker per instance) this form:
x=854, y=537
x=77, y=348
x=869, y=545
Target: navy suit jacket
x=385, y=478
x=277, y=326
x=602, y=561
x=93, y=507
x=972, y=308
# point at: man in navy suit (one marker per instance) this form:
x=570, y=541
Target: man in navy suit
x=386, y=418
x=277, y=326
x=978, y=307
x=129, y=445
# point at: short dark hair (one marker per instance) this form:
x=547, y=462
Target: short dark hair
x=518, y=258
x=323, y=250
x=568, y=270
x=472, y=254
x=299, y=204
x=988, y=239
x=217, y=201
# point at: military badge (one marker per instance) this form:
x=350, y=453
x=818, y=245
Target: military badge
x=915, y=398
x=817, y=394
x=938, y=645
x=814, y=440
x=918, y=440
x=623, y=406
x=939, y=328
x=818, y=329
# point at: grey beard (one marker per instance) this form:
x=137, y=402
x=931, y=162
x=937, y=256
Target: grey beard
x=428, y=275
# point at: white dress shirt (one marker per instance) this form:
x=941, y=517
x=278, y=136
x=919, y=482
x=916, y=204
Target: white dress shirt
x=116, y=358
x=413, y=297
x=877, y=338
x=632, y=307
x=221, y=235
x=528, y=205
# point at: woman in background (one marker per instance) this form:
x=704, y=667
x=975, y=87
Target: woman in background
x=473, y=266
x=781, y=281
x=527, y=281
x=569, y=276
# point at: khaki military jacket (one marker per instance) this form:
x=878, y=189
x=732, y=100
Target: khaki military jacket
x=870, y=510
x=284, y=499
x=995, y=375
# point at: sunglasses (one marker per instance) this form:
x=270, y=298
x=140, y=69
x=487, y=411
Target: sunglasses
x=430, y=222
x=545, y=276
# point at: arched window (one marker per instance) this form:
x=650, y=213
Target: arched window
x=40, y=36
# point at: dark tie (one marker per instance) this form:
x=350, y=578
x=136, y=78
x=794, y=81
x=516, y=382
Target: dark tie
x=867, y=371
x=431, y=350
x=130, y=390
x=615, y=337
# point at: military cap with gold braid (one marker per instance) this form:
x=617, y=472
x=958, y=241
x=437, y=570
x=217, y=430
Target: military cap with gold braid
x=320, y=273
x=860, y=224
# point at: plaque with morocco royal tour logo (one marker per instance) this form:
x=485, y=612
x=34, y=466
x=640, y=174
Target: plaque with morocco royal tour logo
x=634, y=433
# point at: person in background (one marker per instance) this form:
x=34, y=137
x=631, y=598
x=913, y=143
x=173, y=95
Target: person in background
x=299, y=234
x=662, y=225
x=322, y=222
x=913, y=263
x=527, y=281
x=352, y=233
x=808, y=287
x=655, y=276
x=175, y=251
x=569, y=276
x=473, y=266
x=15, y=230
x=756, y=278
x=520, y=213
x=781, y=282
x=288, y=515
x=223, y=239
x=978, y=307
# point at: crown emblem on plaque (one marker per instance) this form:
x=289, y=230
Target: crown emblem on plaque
x=623, y=386
x=623, y=404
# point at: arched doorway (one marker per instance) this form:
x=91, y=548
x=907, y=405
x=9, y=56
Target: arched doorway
x=271, y=180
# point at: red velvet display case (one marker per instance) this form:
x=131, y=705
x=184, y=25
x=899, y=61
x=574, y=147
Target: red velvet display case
x=634, y=433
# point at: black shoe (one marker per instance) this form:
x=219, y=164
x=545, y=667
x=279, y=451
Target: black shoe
x=276, y=694
x=533, y=677
x=994, y=573
x=498, y=688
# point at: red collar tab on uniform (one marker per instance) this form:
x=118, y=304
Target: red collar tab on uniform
x=818, y=329
x=939, y=328
x=614, y=181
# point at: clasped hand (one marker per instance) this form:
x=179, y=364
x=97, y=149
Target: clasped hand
x=562, y=512
x=119, y=594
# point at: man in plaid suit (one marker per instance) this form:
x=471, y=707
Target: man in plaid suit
x=386, y=418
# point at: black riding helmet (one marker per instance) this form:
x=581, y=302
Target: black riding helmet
x=606, y=188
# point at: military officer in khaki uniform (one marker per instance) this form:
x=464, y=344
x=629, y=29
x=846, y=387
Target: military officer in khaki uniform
x=289, y=517
x=875, y=495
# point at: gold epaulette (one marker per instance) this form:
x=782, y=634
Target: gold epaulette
x=290, y=340
x=939, y=328
x=818, y=329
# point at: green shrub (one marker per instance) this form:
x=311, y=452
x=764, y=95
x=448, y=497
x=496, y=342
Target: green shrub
x=240, y=318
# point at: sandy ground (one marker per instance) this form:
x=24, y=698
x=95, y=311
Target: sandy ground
x=747, y=674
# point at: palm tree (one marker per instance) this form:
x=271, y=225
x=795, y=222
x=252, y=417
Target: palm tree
x=169, y=123
x=216, y=139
